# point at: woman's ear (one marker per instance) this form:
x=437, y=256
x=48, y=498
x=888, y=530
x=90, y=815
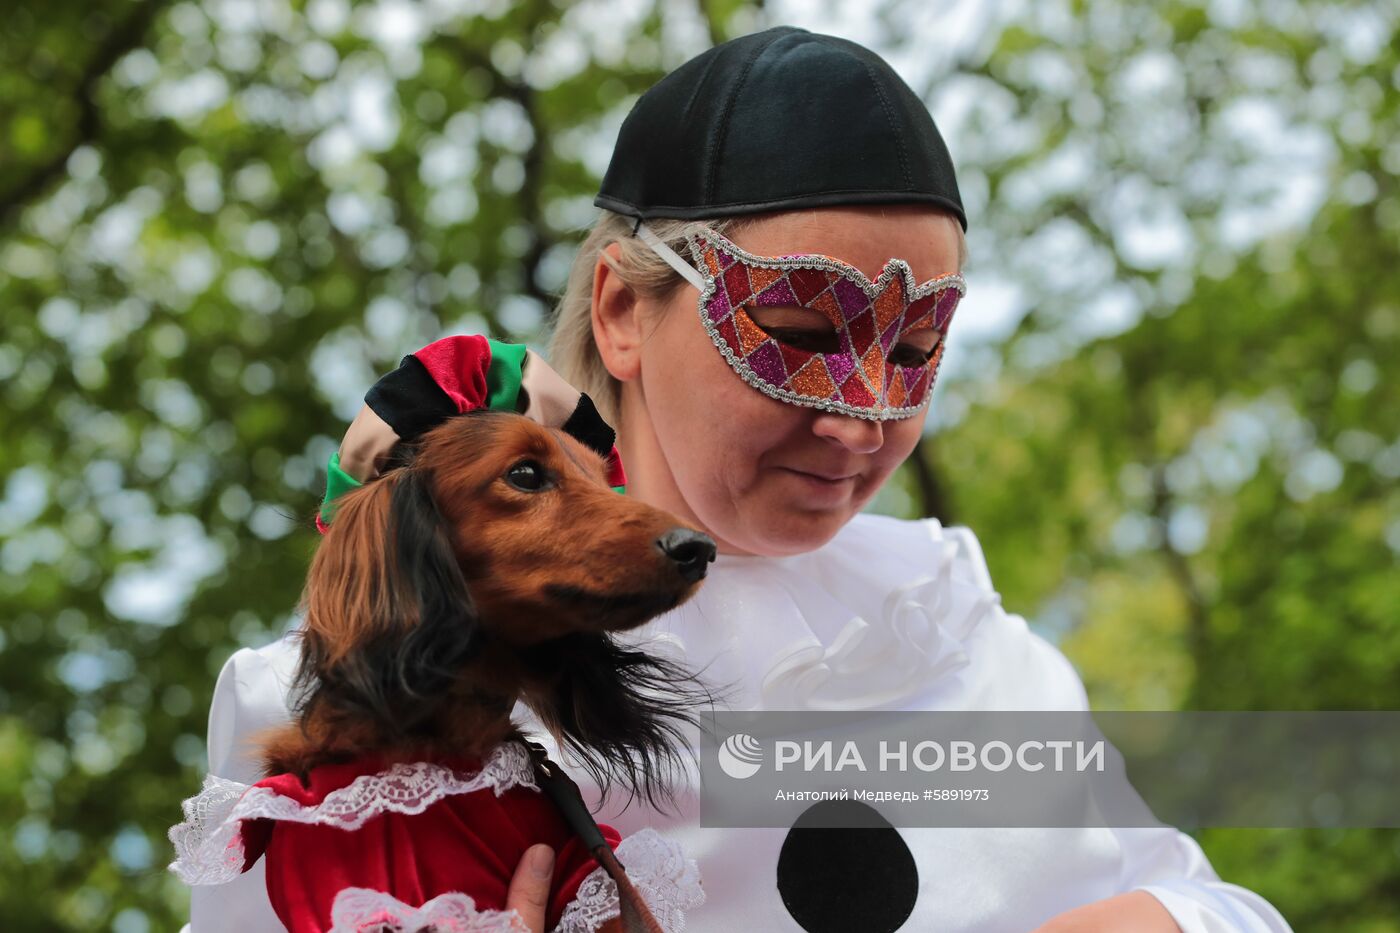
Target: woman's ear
x=617, y=324
x=389, y=622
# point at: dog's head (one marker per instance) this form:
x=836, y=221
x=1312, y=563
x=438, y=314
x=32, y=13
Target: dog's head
x=491, y=563
x=545, y=546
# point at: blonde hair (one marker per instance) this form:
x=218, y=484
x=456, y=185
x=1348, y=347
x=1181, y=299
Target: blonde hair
x=572, y=350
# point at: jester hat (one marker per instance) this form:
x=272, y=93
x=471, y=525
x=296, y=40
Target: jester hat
x=453, y=376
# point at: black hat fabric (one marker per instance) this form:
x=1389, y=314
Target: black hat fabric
x=780, y=119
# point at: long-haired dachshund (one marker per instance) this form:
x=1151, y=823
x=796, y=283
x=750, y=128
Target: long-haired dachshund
x=489, y=567
x=491, y=563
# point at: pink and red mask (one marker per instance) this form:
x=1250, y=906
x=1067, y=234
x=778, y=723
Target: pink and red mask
x=870, y=319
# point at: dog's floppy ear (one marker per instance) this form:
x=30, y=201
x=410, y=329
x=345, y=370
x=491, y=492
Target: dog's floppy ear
x=623, y=713
x=389, y=622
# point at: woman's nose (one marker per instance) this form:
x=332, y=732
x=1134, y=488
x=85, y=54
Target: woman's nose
x=856, y=434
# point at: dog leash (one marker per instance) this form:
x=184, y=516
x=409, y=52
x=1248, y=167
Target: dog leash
x=636, y=916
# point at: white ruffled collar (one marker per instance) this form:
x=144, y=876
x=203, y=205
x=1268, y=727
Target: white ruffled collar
x=866, y=621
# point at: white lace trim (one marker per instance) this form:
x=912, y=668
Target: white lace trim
x=204, y=842
x=667, y=880
x=363, y=910
x=209, y=843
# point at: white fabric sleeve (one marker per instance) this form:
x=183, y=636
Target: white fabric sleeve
x=1163, y=861
x=1170, y=865
x=250, y=696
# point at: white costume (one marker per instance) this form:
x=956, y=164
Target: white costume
x=891, y=614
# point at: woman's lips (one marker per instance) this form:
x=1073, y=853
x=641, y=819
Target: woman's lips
x=828, y=477
x=822, y=482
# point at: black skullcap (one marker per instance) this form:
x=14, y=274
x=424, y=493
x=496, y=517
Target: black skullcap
x=779, y=119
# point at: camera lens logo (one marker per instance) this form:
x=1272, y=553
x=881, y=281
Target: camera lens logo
x=741, y=756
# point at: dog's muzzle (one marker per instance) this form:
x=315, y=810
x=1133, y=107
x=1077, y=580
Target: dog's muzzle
x=691, y=550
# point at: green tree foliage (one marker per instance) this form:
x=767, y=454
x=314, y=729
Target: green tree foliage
x=1202, y=502
x=220, y=220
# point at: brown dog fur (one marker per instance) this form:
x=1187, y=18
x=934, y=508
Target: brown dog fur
x=443, y=592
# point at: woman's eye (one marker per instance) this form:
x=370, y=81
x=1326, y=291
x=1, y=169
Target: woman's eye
x=528, y=476
x=809, y=339
x=909, y=356
x=803, y=329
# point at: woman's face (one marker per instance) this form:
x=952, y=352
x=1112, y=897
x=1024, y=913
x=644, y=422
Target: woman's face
x=760, y=475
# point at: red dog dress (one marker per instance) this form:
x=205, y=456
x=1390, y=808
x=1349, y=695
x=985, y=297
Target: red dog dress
x=415, y=846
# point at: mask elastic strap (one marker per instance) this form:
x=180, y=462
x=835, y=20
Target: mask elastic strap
x=673, y=259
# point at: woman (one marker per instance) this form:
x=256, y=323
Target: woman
x=786, y=143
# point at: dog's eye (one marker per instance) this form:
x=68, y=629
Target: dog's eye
x=527, y=475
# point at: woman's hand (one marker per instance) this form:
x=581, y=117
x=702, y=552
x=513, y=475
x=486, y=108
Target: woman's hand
x=529, y=890
x=1137, y=911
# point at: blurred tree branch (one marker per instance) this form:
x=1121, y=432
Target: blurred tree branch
x=528, y=199
x=1198, y=614
x=933, y=492
x=127, y=35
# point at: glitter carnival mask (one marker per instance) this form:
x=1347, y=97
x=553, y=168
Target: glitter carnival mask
x=869, y=318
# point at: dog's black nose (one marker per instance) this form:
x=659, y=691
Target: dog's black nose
x=691, y=550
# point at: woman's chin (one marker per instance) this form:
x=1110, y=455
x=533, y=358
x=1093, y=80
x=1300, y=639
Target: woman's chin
x=784, y=532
